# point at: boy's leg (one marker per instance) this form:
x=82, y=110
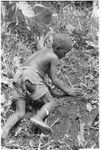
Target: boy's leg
x=45, y=110
x=14, y=118
x=48, y=107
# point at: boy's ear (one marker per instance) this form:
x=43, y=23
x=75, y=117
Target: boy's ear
x=58, y=48
x=51, y=38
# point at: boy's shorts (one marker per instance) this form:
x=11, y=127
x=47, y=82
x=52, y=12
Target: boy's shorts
x=32, y=74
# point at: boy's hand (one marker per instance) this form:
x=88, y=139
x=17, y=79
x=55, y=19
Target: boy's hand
x=74, y=91
x=40, y=43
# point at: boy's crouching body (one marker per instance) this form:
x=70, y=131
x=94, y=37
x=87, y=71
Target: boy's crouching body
x=29, y=80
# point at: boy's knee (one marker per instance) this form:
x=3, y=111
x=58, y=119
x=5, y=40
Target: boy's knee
x=20, y=114
x=48, y=98
x=53, y=102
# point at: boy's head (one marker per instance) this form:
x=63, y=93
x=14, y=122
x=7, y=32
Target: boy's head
x=61, y=44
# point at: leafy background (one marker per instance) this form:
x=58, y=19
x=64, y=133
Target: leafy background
x=75, y=121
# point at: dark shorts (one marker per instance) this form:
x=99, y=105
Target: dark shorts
x=32, y=74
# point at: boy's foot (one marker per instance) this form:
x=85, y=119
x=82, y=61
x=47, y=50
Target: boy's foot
x=4, y=135
x=3, y=142
x=41, y=125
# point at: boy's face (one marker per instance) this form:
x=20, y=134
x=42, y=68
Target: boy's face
x=62, y=53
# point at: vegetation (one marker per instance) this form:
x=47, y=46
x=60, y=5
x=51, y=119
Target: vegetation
x=75, y=121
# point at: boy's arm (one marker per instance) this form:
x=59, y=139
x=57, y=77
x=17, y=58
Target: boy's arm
x=40, y=43
x=53, y=75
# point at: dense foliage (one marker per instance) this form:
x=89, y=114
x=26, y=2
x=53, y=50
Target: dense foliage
x=80, y=68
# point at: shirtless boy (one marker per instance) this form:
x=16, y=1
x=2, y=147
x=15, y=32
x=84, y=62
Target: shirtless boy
x=29, y=79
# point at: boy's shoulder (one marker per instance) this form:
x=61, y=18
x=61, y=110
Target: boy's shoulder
x=52, y=55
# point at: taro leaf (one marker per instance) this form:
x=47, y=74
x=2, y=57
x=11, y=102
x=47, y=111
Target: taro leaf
x=26, y=9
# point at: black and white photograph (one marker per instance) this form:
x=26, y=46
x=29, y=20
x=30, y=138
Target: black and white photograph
x=50, y=75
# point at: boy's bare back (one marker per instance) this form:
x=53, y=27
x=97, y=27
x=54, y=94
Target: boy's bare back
x=42, y=60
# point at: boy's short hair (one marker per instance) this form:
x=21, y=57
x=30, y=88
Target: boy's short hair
x=61, y=41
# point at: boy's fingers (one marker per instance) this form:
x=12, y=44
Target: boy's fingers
x=79, y=93
x=78, y=90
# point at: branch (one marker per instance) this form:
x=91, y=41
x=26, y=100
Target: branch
x=47, y=144
x=56, y=121
x=41, y=137
x=68, y=80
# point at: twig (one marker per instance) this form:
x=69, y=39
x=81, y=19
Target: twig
x=55, y=122
x=68, y=80
x=39, y=146
x=70, y=52
x=93, y=146
x=68, y=128
x=94, y=128
x=79, y=24
x=66, y=135
x=47, y=144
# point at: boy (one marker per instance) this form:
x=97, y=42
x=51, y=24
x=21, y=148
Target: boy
x=29, y=80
